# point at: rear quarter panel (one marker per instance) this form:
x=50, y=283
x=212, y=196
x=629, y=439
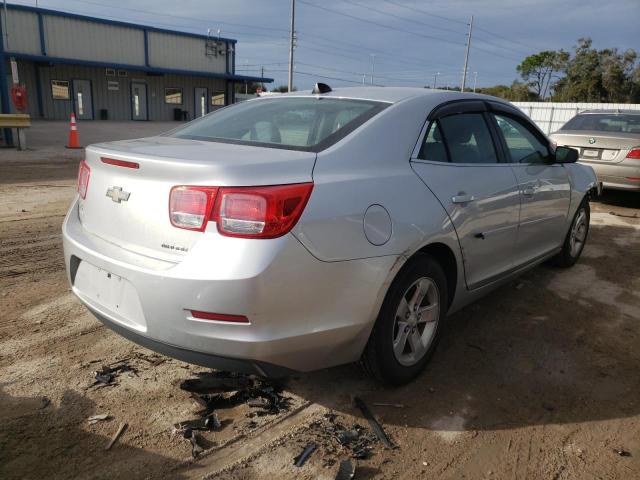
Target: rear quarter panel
x=372, y=167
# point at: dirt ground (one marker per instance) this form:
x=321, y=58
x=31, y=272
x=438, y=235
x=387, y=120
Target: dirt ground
x=540, y=379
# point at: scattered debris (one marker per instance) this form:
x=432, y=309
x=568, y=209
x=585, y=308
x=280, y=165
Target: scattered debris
x=347, y=470
x=196, y=449
x=207, y=423
x=304, y=456
x=622, y=452
x=394, y=405
x=635, y=215
x=216, y=382
x=46, y=401
x=373, y=423
x=114, y=439
x=219, y=390
x=98, y=418
x=107, y=374
x=477, y=347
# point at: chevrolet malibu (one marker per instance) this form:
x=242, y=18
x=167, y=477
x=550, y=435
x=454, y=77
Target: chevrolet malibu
x=315, y=229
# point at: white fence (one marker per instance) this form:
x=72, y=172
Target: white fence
x=551, y=116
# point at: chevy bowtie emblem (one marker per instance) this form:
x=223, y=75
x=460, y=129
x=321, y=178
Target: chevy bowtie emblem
x=117, y=194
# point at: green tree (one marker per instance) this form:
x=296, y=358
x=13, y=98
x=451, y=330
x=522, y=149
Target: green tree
x=540, y=70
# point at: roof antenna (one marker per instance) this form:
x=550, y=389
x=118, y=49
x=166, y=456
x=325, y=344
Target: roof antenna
x=321, y=88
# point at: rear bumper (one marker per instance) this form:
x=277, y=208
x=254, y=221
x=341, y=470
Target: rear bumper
x=304, y=314
x=619, y=176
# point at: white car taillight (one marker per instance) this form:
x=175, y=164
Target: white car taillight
x=84, y=172
x=245, y=212
x=189, y=207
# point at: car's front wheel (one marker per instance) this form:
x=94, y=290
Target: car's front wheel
x=576, y=237
x=408, y=326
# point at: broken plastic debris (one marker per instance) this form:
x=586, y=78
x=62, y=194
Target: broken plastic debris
x=114, y=439
x=373, y=423
x=98, y=418
x=196, y=449
x=347, y=470
x=306, y=453
x=621, y=452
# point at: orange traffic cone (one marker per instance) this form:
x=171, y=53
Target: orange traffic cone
x=74, y=142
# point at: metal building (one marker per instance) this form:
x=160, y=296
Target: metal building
x=111, y=70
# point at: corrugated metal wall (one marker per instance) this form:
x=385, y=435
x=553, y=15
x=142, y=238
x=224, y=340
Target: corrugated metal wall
x=83, y=40
x=186, y=53
x=117, y=102
x=22, y=32
x=551, y=116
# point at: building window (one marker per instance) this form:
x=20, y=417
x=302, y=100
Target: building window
x=173, y=96
x=60, y=90
x=217, y=99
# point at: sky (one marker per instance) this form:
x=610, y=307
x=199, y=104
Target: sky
x=397, y=42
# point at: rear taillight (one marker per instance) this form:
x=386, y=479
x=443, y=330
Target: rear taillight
x=245, y=212
x=83, y=179
x=260, y=212
x=190, y=207
x=634, y=153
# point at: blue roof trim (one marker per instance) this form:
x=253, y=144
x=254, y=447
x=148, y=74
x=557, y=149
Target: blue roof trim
x=138, y=68
x=77, y=16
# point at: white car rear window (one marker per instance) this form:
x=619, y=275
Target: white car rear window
x=299, y=123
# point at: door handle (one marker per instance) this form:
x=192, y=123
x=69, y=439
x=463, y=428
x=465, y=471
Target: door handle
x=463, y=198
x=529, y=190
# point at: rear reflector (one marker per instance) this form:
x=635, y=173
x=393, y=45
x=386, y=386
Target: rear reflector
x=120, y=163
x=190, y=207
x=634, y=153
x=219, y=317
x=633, y=179
x=84, y=172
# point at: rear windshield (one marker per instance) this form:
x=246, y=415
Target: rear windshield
x=308, y=124
x=604, y=123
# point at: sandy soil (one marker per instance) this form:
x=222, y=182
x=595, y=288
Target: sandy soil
x=538, y=380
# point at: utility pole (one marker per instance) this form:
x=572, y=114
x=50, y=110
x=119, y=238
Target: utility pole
x=373, y=65
x=475, y=80
x=435, y=79
x=466, y=56
x=262, y=76
x=292, y=40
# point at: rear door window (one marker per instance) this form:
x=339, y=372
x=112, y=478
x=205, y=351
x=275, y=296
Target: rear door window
x=298, y=123
x=433, y=147
x=467, y=138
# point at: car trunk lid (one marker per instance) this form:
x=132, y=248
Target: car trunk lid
x=598, y=146
x=127, y=200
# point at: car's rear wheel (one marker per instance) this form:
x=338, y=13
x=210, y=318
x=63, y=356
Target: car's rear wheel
x=576, y=237
x=407, y=329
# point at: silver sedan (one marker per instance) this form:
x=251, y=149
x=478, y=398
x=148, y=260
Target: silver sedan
x=314, y=229
x=608, y=141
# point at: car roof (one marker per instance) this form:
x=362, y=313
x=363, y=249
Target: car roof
x=394, y=94
x=615, y=111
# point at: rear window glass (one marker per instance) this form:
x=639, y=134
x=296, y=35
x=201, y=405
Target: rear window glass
x=604, y=123
x=309, y=124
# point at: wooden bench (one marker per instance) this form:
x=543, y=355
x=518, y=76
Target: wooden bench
x=19, y=121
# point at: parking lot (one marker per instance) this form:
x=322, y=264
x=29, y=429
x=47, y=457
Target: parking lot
x=539, y=379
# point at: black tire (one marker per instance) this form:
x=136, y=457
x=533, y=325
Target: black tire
x=568, y=256
x=379, y=358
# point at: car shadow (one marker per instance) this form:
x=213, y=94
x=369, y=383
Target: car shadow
x=555, y=346
x=40, y=440
x=619, y=198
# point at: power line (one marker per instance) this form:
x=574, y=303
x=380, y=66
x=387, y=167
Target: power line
x=441, y=17
x=337, y=12
x=387, y=14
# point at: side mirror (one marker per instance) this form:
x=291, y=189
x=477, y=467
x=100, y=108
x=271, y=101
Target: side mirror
x=566, y=155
